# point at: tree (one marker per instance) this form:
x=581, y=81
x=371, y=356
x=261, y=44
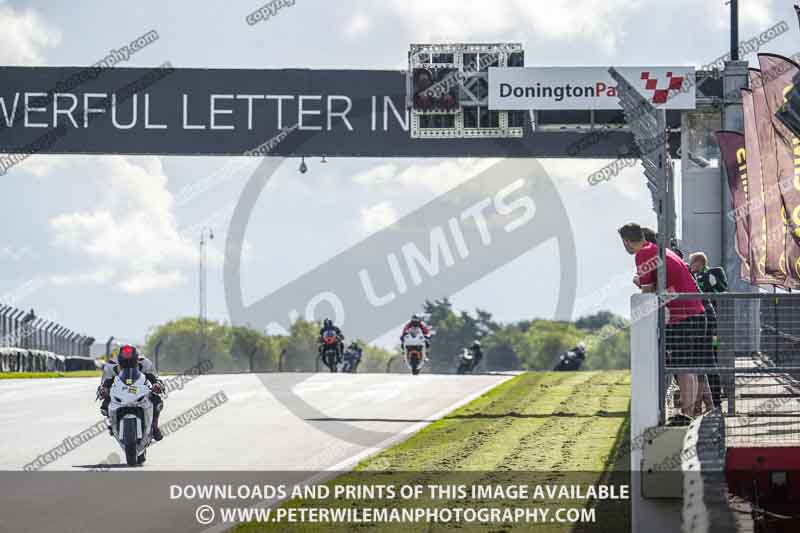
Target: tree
x=598, y=320
x=246, y=344
x=499, y=352
x=301, y=347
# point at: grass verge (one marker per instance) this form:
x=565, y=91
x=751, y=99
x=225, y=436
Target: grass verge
x=535, y=429
x=40, y=375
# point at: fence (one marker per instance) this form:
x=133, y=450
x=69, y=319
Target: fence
x=744, y=351
x=19, y=360
x=29, y=343
x=741, y=356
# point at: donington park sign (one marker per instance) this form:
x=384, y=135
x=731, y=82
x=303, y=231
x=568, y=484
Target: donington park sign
x=576, y=88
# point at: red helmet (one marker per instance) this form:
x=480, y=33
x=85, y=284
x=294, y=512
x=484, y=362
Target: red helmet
x=128, y=357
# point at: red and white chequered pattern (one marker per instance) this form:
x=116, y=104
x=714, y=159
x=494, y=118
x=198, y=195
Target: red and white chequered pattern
x=660, y=95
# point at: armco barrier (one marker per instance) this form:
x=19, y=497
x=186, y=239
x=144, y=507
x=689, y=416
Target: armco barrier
x=22, y=360
x=706, y=503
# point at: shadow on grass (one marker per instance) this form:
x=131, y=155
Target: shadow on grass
x=396, y=420
x=558, y=414
x=614, y=515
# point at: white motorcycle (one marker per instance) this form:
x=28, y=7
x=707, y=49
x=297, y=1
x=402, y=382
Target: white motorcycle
x=466, y=361
x=130, y=414
x=416, y=351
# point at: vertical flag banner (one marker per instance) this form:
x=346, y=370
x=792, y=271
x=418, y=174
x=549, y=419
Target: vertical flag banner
x=772, y=203
x=789, y=113
x=776, y=86
x=734, y=157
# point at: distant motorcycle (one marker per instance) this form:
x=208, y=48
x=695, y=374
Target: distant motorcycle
x=466, y=361
x=416, y=351
x=130, y=414
x=331, y=350
x=350, y=362
x=571, y=360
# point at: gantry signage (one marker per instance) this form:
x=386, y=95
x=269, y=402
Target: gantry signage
x=575, y=88
x=187, y=111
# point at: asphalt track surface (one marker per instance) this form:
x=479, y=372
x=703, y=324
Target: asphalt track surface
x=247, y=437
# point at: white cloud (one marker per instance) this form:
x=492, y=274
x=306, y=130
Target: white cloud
x=378, y=216
x=376, y=174
x=149, y=280
x=442, y=175
x=41, y=165
x=437, y=175
x=561, y=20
x=25, y=37
x=97, y=277
x=630, y=181
x=358, y=26
x=132, y=232
x=14, y=254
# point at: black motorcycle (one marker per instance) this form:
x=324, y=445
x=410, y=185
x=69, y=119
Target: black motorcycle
x=571, y=360
x=331, y=350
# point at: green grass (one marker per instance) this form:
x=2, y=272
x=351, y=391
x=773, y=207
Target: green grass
x=538, y=428
x=40, y=375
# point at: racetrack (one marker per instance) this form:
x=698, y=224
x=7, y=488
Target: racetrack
x=251, y=438
x=252, y=430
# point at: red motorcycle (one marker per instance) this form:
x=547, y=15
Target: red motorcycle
x=331, y=352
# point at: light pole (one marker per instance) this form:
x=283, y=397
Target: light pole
x=206, y=234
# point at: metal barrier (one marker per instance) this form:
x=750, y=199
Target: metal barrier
x=22, y=360
x=748, y=369
x=706, y=506
x=30, y=336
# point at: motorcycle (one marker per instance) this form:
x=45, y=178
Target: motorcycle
x=466, y=362
x=130, y=414
x=350, y=362
x=330, y=350
x=569, y=361
x=415, y=348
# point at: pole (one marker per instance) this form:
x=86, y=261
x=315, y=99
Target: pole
x=202, y=283
x=200, y=287
x=734, y=30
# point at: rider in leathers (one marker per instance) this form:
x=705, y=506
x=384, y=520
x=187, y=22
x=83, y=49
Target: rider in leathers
x=327, y=325
x=129, y=357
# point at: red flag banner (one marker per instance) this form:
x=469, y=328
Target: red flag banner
x=773, y=231
x=776, y=87
x=734, y=157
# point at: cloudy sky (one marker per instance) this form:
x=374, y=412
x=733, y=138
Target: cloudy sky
x=108, y=245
